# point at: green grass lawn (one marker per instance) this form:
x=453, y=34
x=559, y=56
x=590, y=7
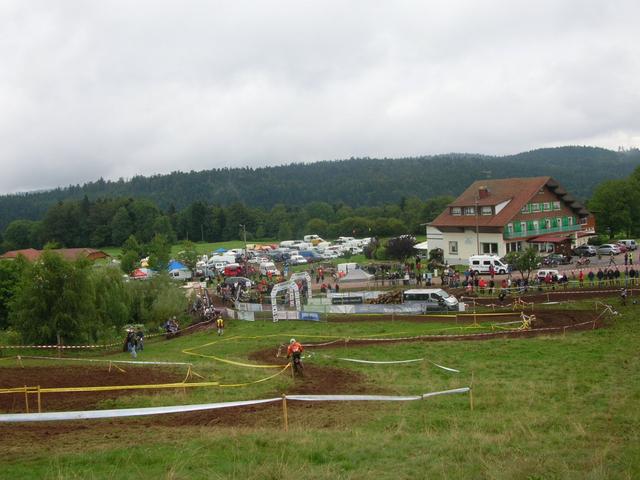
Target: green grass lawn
x=545, y=407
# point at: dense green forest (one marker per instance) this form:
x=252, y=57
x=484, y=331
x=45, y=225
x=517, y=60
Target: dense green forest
x=112, y=221
x=359, y=182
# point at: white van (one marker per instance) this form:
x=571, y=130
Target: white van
x=482, y=263
x=434, y=299
x=269, y=267
x=181, y=274
x=630, y=244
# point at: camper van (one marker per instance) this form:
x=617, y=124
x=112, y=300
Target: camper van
x=480, y=264
x=431, y=299
x=269, y=268
x=181, y=274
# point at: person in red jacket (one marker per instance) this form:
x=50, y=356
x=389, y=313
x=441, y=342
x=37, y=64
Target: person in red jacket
x=295, y=349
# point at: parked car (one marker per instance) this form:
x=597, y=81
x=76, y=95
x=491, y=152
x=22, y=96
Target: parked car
x=585, y=251
x=554, y=259
x=542, y=274
x=297, y=260
x=608, y=249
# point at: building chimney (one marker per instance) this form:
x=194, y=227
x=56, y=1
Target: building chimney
x=483, y=192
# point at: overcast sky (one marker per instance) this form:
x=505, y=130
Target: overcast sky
x=112, y=89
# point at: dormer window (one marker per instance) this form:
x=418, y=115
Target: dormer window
x=486, y=211
x=456, y=211
x=469, y=210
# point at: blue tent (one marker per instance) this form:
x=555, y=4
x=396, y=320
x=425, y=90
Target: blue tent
x=175, y=265
x=221, y=250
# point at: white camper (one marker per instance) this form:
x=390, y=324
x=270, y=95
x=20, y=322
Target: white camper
x=480, y=264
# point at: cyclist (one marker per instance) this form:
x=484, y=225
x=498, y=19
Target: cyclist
x=295, y=350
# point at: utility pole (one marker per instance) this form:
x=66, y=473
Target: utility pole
x=244, y=232
x=477, y=225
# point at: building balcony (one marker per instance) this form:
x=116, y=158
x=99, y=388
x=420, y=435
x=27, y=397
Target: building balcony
x=541, y=231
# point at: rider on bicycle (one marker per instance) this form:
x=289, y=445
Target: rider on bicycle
x=295, y=349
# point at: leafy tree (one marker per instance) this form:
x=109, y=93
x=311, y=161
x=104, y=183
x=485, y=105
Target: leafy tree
x=401, y=247
x=19, y=234
x=159, y=253
x=285, y=232
x=525, y=261
x=317, y=226
x=162, y=226
x=121, y=226
x=112, y=302
x=188, y=254
x=54, y=299
x=10, y=272
x=615, y=204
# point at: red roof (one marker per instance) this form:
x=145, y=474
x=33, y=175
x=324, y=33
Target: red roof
x=32, y=254
x=515, y=192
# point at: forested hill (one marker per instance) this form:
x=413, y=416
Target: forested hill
x=356, y=182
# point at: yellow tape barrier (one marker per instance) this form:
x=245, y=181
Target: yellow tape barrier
x=142, y=387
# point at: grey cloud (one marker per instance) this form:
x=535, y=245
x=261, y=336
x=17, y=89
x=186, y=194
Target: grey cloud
x=114, y=88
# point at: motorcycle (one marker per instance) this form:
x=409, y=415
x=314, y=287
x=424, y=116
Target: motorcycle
x=582, y=261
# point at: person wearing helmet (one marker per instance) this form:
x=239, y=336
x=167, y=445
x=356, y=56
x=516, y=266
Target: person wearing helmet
x=295, y=350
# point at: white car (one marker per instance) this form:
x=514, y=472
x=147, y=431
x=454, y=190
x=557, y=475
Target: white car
x=608, y=249
x=297, y=260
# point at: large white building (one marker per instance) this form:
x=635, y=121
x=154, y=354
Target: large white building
x=503, y=215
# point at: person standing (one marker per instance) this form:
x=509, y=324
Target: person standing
x=220, y=325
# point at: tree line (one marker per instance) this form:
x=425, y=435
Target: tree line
x=358, y=182
x=111, y=222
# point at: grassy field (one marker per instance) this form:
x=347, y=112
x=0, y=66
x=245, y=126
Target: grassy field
x=546, y=407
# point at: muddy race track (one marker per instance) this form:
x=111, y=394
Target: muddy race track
x=319, y=379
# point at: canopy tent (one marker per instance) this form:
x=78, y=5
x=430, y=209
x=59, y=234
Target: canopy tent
x=139, y=273
x=422, y=246
x=221, y=250
x=175, y=265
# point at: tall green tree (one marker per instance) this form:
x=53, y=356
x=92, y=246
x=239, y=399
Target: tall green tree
x=122, y=226
x=159, y=252
x=54, y=300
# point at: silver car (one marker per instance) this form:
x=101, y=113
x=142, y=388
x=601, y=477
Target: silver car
x=608, y=249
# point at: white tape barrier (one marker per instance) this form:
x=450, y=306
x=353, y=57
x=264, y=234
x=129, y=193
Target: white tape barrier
x=130, y=362
x=393, y=362
x=390, y=362
x=136, y=412
x=445, y=368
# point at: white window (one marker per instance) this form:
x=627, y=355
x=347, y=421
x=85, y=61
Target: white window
x=486, y=211
x=456, y=211
x=535, y=225
x=509, y=227
x=559, y=222
x=546, y=206
x=523, y=227
x=570, y=221
x=547, y=222
x=535, y=207
x=453, y=247
x=556, y=205
x=524, y=209
x=469, y=210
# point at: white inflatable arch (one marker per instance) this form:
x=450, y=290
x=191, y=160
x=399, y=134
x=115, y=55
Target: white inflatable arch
x=294, y=296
